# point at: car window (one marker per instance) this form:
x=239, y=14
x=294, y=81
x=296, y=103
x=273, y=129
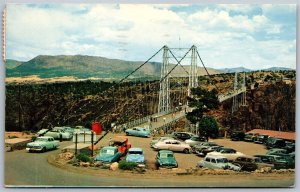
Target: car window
x=213, y=160
x=166, y=155
x=167, y=142
x=222, y=160
x=108, y=151
x=175, y=143
x=207, y=159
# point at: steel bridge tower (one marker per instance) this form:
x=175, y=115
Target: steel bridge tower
x=193, y=73
x=235, y=101
x=164, y=93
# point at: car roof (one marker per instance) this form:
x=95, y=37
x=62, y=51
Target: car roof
x=165, y=151
x=215, y=156
x=45, y=137
x=136, y=149
x=170, y=140
x=109, y=147
x=120, y=138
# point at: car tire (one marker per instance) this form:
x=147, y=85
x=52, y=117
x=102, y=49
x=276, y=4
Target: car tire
x=44, y=149
x=186, y=151
x=127, y=133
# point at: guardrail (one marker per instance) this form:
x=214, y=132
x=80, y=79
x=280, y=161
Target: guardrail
x=231, y=94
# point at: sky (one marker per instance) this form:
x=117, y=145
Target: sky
x=226, y=35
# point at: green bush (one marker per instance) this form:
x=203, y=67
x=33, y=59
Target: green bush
x=83, y=157
x=127, y=165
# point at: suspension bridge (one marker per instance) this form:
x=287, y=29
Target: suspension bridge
x=170, y=93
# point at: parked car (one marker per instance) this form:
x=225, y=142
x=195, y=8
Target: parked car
x=217, y=162
x=182, y=135
x=260, y=164
x=121, y=142
x=246, y=163
x=237, y=136
x=273, y=142
x=166, y=159
x=65, y=129
x=250, y=136
x=80, y=129
x=289, y=146
x=173, y=145
x=59, y=134
x=207, y=149
x=229, y=153
x=276, y=151
x=138, y=131
x=42, y=144
x=136, y=155
x=279, y=162
x=108, y=154
x=261, y=139
x=200, y=146
x=194, y=140
x=155, y=140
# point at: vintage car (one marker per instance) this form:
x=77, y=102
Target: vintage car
x=246, y=163
x=289, y=146
x=136, y=155
x=65, y=129
x=202, y=152
x=59, y=134
x=279, y=162
x=182, y=135
x=173, y=145
x=155, y=140
x=273, y=142
x=261, y=139
x=217, y=162
x=138, y=131
x=194, y=140
x=250, y=136
x=166, y=159
x=203, y=145
x=229, y=153
x=80, y=129
x=237, y=136
x=108, y=154
x=121, y=142
x=276, y=151
x=260, y=164
x=42, y=144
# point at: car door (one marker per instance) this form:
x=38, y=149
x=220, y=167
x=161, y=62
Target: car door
x=176, y=146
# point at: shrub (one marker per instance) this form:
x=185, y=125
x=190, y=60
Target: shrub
x=83, y=157
x=127, y=165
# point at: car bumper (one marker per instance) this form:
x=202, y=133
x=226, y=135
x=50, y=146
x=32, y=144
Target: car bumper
x=33, y=149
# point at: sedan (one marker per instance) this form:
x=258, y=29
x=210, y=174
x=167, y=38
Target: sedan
x=194, y=140
x=108, y=154
x=173, y=145
x=229, y=153
x=138, y=131
x=156, y=140
x=217, y=162
x=136, y=155
x=166, y=159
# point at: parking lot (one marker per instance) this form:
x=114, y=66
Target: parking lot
x=185, y=161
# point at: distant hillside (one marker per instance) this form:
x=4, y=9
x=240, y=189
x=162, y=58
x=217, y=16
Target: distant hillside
x=277, y=69
x=90, y=66
x=236, y=69
x=10, y=64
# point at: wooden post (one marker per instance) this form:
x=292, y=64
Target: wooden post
x=76, y=140
x=92, y=139
x=83, y=136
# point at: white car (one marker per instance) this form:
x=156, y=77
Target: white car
x=194, y=140
x=228, y=153
x=42, y=144
x=172, y=145
x=217, y=162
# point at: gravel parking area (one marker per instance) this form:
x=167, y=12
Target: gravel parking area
x=185, y=161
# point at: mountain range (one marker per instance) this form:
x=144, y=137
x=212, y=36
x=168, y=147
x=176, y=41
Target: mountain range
x=82, y=66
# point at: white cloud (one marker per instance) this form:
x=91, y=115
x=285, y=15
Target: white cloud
x=135, y=32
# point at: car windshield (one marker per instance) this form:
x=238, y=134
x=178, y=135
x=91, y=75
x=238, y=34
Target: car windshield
x=41, y=139
x=108, y=151
x=166, y=155
x=279, y=158
x=195, y=138
x=222, y=160
x=135, y=152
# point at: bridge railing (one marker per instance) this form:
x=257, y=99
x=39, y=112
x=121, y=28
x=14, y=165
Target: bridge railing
x=231, y=94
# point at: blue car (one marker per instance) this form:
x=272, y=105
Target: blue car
x=108, y=155
x=136, y=155
x=138, y=131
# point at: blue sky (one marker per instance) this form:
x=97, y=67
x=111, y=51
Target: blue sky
x=227, y=35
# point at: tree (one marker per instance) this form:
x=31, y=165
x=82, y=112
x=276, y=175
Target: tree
x=208, y=127
x=202, y=101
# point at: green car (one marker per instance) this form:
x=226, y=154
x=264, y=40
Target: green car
x=108, y=154
x=166, y=159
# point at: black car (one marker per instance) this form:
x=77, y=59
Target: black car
x=275, y=143
x=246, y=163
x=237, y=136
x=261, y=139
x=182, y=135
x=289, y=146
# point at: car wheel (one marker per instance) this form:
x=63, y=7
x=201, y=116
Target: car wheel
x=127, y=133
x=44, y=149
x=186, y=151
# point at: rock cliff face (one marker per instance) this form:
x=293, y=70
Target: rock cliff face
x=269, y=106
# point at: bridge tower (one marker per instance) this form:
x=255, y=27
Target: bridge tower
x=234, y=99
x=164, y=92
x=193, y=73
x=244, y=101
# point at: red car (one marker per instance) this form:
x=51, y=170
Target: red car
x=122, y=143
